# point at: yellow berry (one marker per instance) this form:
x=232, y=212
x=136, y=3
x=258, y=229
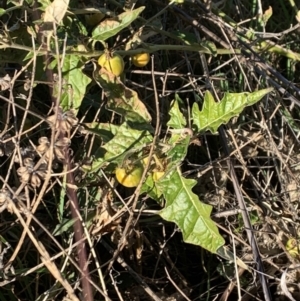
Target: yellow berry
x=140, y=59
x=129, y=177
x=113, y=64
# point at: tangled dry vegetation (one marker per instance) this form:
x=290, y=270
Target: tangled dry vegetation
x=67, y=234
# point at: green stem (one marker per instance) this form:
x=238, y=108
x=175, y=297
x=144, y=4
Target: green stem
x=149, y=49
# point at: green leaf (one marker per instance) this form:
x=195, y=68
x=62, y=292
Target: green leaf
x=214, y=114
x=175, y=151
x=225, y=253
x=64, y=226
x=149, y=187
x=186, y=37
x=2, y=11
x=177, y=120
x=184, y=208
x=178, y=149
x=44, y=4
x=110, y=27
x=123, y=100
x=104, y=130
x=190, y=39
x=126, y=142
x=31, y=54
x=74, y=82
x=66, y=223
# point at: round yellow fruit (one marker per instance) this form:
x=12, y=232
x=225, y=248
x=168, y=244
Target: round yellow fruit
x=129, y=177
x=113, y=64
x=140, y=59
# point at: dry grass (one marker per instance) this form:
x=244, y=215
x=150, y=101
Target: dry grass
x=253, y=160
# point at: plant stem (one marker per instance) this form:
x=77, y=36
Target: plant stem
x=149, y=49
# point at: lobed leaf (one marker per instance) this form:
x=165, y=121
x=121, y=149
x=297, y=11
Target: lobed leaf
x=110, y=27
x=178, y=149
x=127, y=141
x=122, y=100
x=184, y=208
x=177, y=120
x=104, y=130
x=214, y=113
x=74, y=82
